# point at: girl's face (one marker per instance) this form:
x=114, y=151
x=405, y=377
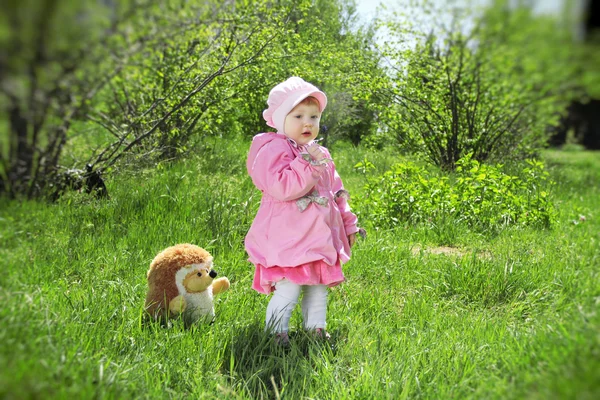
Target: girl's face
x=302, y=123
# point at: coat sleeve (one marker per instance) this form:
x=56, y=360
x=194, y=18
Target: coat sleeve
x=350, y=219
x=277, y=172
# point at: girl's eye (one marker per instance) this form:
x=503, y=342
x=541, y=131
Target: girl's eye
x=298, y=116
x=315, y=116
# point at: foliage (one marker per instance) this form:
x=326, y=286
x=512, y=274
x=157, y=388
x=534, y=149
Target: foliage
x=326, y=46
x=154, y=80
x=478, y=195
x=172, y=92
x=492, y=90
x=589, y=75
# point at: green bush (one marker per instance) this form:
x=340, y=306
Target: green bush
x=479, y=196
x=493, y=91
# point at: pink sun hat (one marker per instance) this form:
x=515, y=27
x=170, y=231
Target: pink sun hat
x=287, y=95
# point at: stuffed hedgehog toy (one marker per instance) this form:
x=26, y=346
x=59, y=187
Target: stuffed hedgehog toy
x=181, y=281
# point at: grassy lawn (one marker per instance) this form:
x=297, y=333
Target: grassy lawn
x=509, y=316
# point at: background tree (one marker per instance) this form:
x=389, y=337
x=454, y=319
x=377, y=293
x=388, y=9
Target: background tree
x=492, y=90
x=328, y=47
x=43, y=88
x=148, y=81
x=171, y=94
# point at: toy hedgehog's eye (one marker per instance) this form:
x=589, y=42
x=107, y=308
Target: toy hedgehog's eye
x=199, y=274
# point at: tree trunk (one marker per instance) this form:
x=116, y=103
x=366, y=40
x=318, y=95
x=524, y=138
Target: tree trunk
x=20, y=159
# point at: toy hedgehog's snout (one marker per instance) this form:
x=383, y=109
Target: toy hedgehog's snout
x=212, y=273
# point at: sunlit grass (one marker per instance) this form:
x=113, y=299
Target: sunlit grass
x=510, y=315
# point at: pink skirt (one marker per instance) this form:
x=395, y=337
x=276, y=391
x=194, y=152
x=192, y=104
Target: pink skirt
x=313, y=273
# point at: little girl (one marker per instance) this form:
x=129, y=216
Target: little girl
x=304, y=228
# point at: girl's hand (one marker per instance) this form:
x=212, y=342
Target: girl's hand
x=352, y=239
x=315, y=151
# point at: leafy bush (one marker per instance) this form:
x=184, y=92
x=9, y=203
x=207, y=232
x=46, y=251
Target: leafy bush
x=481, y=196
x=492, y=91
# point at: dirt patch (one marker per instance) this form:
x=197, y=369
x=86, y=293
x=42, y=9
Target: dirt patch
x=448, y=251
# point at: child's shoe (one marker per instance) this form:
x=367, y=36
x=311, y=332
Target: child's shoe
x=282, y=339
x=320, y=333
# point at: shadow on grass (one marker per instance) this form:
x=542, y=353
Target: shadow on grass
x=264, y=369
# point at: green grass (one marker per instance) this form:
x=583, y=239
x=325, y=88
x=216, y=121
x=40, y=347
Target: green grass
x=512, y=315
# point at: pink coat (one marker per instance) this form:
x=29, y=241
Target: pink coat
x=283, y=236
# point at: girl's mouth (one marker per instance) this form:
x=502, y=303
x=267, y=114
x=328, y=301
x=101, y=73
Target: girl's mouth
x=307, y=133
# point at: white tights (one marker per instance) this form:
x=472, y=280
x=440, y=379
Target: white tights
x=285, y=298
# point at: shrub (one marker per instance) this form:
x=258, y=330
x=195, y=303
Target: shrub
x=480, y=196
x=493, y=90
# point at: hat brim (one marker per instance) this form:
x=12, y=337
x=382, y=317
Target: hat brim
x=317, y=94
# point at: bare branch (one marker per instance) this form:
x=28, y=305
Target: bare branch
x=181, y=76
